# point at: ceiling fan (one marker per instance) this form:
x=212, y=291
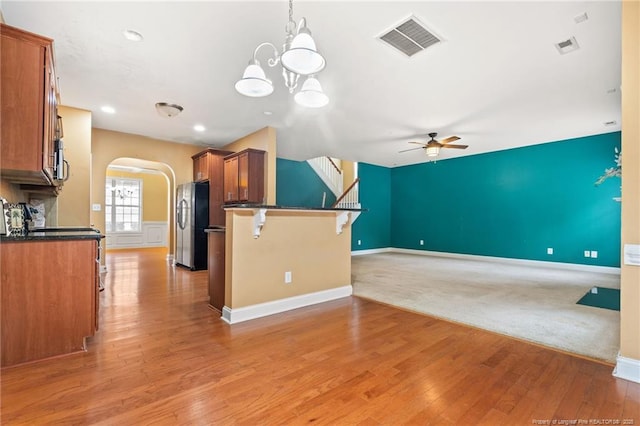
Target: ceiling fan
x=432, y=147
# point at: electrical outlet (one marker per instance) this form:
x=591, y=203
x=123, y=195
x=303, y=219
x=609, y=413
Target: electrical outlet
x=421, y=242
x=359, y=242
x=287, y=277
x=594, y=254
x=587, y=253
x=550, y=250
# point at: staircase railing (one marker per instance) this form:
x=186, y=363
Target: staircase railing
x=350, y=197
x=334, y=164
x=329, y=172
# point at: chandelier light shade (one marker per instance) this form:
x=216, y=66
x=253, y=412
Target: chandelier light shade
x=254, y=82
x=302, y=57
x=311, y=94
x=299, y=56
x=168, y=110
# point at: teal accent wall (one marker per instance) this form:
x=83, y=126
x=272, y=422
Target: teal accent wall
x=373, y=227
x=298, y=185
x=514, y=203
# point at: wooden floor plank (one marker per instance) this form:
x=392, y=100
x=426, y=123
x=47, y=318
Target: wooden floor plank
x=162, y=356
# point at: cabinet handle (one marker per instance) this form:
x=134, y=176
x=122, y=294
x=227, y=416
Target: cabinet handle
x=68, y=173
x=246, y=193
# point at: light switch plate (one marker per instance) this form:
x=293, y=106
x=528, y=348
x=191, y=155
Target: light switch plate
x=96, y=207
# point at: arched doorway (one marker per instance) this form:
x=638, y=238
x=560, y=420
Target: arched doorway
x=137, y=204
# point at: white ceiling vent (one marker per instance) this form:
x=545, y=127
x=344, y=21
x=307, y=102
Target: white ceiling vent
x=410, y=37
x=567, y=46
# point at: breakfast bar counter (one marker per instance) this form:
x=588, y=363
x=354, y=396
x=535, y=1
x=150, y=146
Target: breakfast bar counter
x=279, y=258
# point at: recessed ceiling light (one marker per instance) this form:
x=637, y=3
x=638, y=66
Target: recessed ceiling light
x=267, y=113
x=108, y=109
x=199, y=128
x=132, y=35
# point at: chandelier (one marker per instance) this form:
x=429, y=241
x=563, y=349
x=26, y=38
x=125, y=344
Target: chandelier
x=299, y=57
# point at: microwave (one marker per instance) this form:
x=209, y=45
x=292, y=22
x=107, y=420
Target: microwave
x=61, y=168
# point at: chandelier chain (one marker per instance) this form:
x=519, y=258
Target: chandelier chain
x=290, y=10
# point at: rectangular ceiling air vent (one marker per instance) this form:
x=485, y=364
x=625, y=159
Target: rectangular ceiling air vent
x=410, y=37
x=567, y=46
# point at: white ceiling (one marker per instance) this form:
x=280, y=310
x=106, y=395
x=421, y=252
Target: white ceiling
x=496, y=80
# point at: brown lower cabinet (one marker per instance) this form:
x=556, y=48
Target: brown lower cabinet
x=216, y=267
x=49, y=291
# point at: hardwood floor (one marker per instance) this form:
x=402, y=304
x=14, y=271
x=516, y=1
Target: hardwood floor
x=162, y=357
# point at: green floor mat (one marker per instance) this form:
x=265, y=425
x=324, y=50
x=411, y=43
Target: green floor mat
x=601, y=297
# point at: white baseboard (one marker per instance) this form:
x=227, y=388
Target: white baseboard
x=541, y=263
x=627, y=368
x=371, y=251
x=233, y=316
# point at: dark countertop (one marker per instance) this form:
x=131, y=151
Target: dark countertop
x=273, y=207
x=61, y=233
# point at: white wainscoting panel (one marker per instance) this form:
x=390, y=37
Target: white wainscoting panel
x=154, y=234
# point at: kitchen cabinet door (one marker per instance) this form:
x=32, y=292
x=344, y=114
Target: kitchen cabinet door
x=208, y=166
x=201, y=167
x=29, y=99
x=49, y=307
x=244, y=177
x=215, y=266
x=231, y=180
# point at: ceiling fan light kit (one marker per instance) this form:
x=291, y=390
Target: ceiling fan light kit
x=432, y=151
x=299, y=57
x=432, y=148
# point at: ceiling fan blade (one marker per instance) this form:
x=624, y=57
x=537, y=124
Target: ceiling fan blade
x=410, y=149
x=449, y=139
x=455, y=146
x=419, y=143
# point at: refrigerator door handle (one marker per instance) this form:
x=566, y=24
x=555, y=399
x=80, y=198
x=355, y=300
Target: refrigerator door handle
x=181, y=210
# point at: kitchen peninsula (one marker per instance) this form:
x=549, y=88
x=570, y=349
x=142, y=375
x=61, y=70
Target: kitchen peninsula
x=280, y=258
x=49, y=292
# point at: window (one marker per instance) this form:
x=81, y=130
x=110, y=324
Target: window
x=123, y=205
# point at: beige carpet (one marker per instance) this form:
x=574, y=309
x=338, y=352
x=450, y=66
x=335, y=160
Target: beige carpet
x=533, y=303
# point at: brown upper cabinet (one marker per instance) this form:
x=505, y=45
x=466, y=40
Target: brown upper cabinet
x=208, y=166
x=201, y=166
x=28, y=105
x=244, y=177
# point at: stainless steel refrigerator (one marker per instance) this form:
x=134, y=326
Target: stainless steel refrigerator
x=192, y=217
